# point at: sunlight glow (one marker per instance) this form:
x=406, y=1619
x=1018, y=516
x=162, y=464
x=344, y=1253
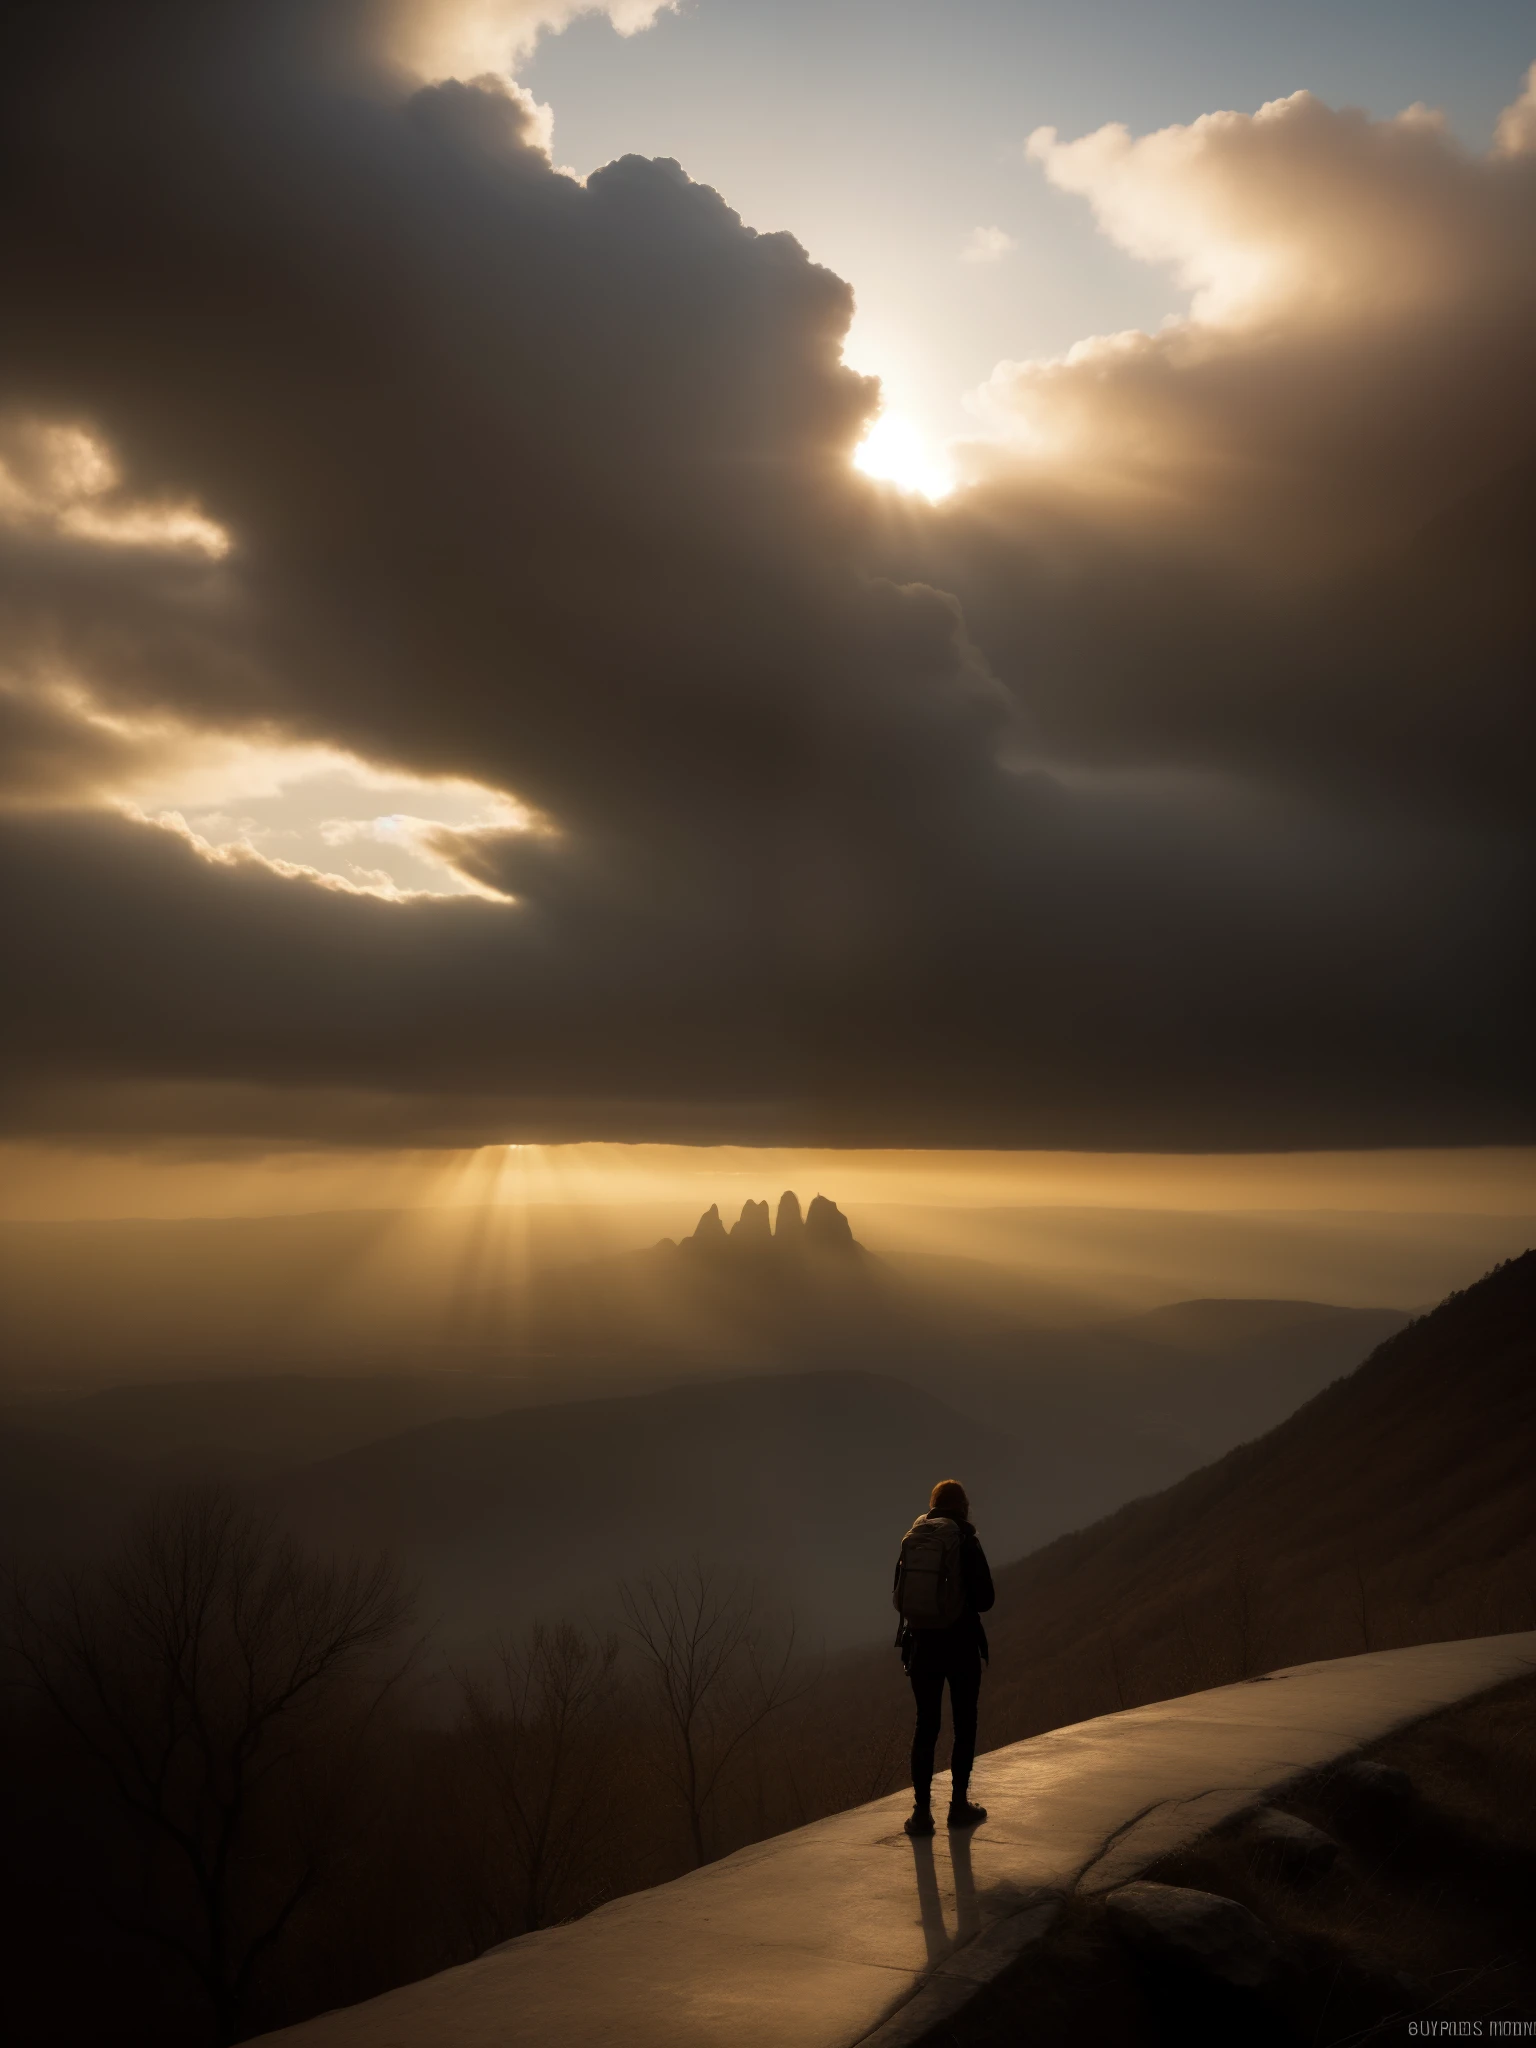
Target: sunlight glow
x=894, y=452
x=62, y=478
x=252, y=1178
x=305, y=811
x=308, y=812
x=460, y=1236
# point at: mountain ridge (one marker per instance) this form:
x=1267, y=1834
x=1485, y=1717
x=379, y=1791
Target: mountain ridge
x=803, y=1481
x=1392, y=1505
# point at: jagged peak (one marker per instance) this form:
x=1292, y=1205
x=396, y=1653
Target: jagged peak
x=826, y=1225
x=753, y=1226
x=709, y=1231
x=821, y=1228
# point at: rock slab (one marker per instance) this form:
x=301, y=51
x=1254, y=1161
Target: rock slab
x=1200, y=1930
x=1298, y=1848
x=818, y=1938
x=1374, y=1785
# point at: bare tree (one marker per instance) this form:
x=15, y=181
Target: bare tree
x=869, y=1762
x=536, y=1723
x=716, y=1676
x=1243, y=1588
x=1362, y=1604
x=1114, y=1670
x=1191, y=1672
x=221, y=1677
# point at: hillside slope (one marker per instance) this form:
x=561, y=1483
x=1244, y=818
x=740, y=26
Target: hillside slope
x=1138, y=1401
x=804, y=1481
x=1196, y=1377
x=1396, y=1506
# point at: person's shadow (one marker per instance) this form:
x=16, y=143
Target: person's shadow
x=937, y=1938
x=967, y=1912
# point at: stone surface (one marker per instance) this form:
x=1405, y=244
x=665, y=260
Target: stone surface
x=817, y=1938
x=1200, y=1930
x=789, y=1225
x=1295, y=1846
x=1376, y=1785
x=956, y=1980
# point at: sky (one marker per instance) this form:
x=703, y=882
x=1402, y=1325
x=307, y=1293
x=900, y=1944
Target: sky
x=51, y=1183
x=459, y=686
x=891, y=140
x=219, y=1260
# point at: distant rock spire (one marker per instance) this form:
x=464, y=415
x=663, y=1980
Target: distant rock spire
x=709, y=1232
x=826, y=1227
x=791, y=1250
x=754, y=1227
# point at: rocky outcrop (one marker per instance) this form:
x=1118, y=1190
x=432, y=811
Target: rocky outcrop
x=1200, y=1930
x=1292, y=1846
x=812, y=1937
x=753, y=1226
x=827, y=1227
x=1377, y=1788
x=709, y=1232
x=821, y=1231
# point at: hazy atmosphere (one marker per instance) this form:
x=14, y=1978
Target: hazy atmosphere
x=749, y=753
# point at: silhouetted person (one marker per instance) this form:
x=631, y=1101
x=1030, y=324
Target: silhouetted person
x=943, y=1587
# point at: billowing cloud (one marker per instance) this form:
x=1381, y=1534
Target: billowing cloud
x=1362, y=321
x=1286, y=536
x=770, y=804
x=466, y=38
x=60, y=480
x=1516, y=131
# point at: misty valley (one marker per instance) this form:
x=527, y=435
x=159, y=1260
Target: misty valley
x=327, y=1679
x=784, y=1393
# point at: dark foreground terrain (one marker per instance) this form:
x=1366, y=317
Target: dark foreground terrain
x=1424, y=1927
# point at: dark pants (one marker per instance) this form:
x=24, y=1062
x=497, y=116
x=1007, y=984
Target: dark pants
x=959, y=1668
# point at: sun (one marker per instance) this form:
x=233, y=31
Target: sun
x=895, y=452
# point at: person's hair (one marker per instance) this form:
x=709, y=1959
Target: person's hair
x=949, y=1498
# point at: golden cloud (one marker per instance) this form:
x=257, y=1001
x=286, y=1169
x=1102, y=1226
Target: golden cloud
x=1357, y=346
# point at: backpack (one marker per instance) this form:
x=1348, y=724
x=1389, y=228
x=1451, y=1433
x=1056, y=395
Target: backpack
x=930, y=1586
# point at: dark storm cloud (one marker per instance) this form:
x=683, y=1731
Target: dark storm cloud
x=1101, y=1013
x=546, y=485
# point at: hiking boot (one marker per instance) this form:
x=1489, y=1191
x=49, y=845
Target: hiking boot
x=962, y=1814
x=919, y=1822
